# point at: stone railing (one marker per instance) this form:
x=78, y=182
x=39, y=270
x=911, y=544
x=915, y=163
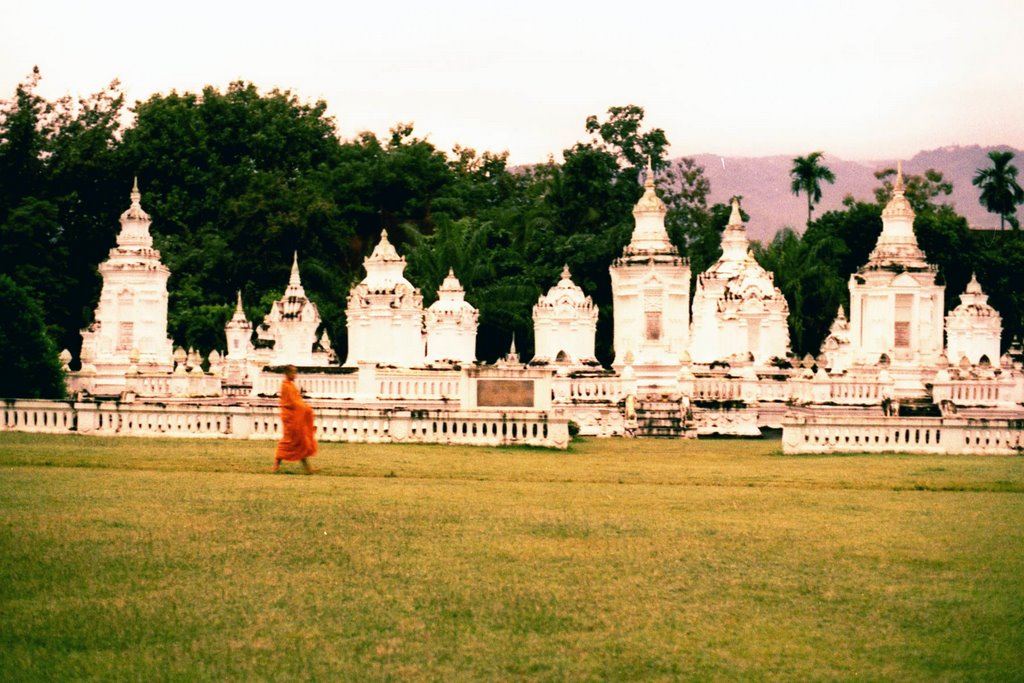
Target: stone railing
x=977, y=392
x=112, y=418
x=422, y=385
x=805, y=432
x=720, y=389
x=57, y=417
x=841, y=390
x=163, y=384
x=567, y=389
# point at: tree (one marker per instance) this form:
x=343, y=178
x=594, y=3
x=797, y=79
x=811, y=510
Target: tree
x=1000, y=193
x=807, y=175
x=919, y=190
x=31, y=367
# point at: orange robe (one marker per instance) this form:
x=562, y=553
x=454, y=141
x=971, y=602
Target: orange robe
x=298, y=438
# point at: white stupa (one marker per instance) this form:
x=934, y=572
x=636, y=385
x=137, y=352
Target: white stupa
x=896, y=308
x=973, y=328
x=385, y=313
x=451, y=324
x=238, y=333
x=130, y=323
x=564, y=325
x=288, y=333
x=651, y=298
x=738, y=312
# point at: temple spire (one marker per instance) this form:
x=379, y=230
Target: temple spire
x=566, y=275
x=649, y=180
x=238, y=306
x=735, y=218
x=898, y=186
x=293, y=280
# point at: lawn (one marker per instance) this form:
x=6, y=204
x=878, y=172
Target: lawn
x=617, y=560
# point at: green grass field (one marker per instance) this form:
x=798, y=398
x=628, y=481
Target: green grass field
x=617, y=560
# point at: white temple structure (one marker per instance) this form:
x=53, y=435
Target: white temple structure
x=895, y=304
x=883, y=381
x=564, y=325
x=651, y=298
x=288, y=333
x=385, y=312
x=130, y=324
x=238, y=333
x=973, y=328
x=451, y=324
x=738, y=312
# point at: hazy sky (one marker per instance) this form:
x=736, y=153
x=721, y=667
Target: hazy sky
x=859, y=79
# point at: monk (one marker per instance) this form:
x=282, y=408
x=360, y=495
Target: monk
x=297, y=440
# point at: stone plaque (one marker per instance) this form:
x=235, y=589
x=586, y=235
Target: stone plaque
x=497, y=393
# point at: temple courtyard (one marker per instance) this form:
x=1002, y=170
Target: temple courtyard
x=160, y=559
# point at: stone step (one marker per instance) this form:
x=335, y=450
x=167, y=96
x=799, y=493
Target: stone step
x=661, y=419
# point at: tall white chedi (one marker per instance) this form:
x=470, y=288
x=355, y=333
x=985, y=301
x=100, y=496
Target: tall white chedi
x=564, y=324
x=130, y=323
x=385, y=312
x=238, y=333
x=289, y=329
x=973, y=328
x=896, y=308
x=651, y=298
x=451, y=324
x=738, y=311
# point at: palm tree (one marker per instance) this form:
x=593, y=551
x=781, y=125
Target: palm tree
x=807, y=175
x=1000, y=193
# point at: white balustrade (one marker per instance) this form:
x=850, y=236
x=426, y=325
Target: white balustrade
x=52, y=417
x=804, y=432
x=384, y=425
x=587, y=389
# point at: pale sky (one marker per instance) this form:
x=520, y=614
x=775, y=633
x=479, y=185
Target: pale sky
x=859, y=79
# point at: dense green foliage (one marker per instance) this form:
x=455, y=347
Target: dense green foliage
x=238, y=180
x=31, y=368
x=176, y=559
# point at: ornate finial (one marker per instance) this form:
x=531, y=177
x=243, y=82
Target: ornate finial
x=238, y=306
x=451, y=272
x=512, y=349
x=384, y=235
x=899, y=187
x=841, y=314
x=649, y=180
x=735, y=218
x=294, y=279
x=566, y=275
x=135, y=195
x=974, y=287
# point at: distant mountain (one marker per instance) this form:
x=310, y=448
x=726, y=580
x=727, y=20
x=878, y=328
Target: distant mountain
x=763, y=182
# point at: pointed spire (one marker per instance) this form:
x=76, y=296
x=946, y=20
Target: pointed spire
x=841, y=314
x=451, y=272
x=898, y=187
x=238, y=306
x=512, y=349
x=135, y=222
x=735, y=218
x=649, y=180
x=293, y=280
x=566, y=275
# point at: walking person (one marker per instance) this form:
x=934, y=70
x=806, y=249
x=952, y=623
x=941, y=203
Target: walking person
x=298, y=439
